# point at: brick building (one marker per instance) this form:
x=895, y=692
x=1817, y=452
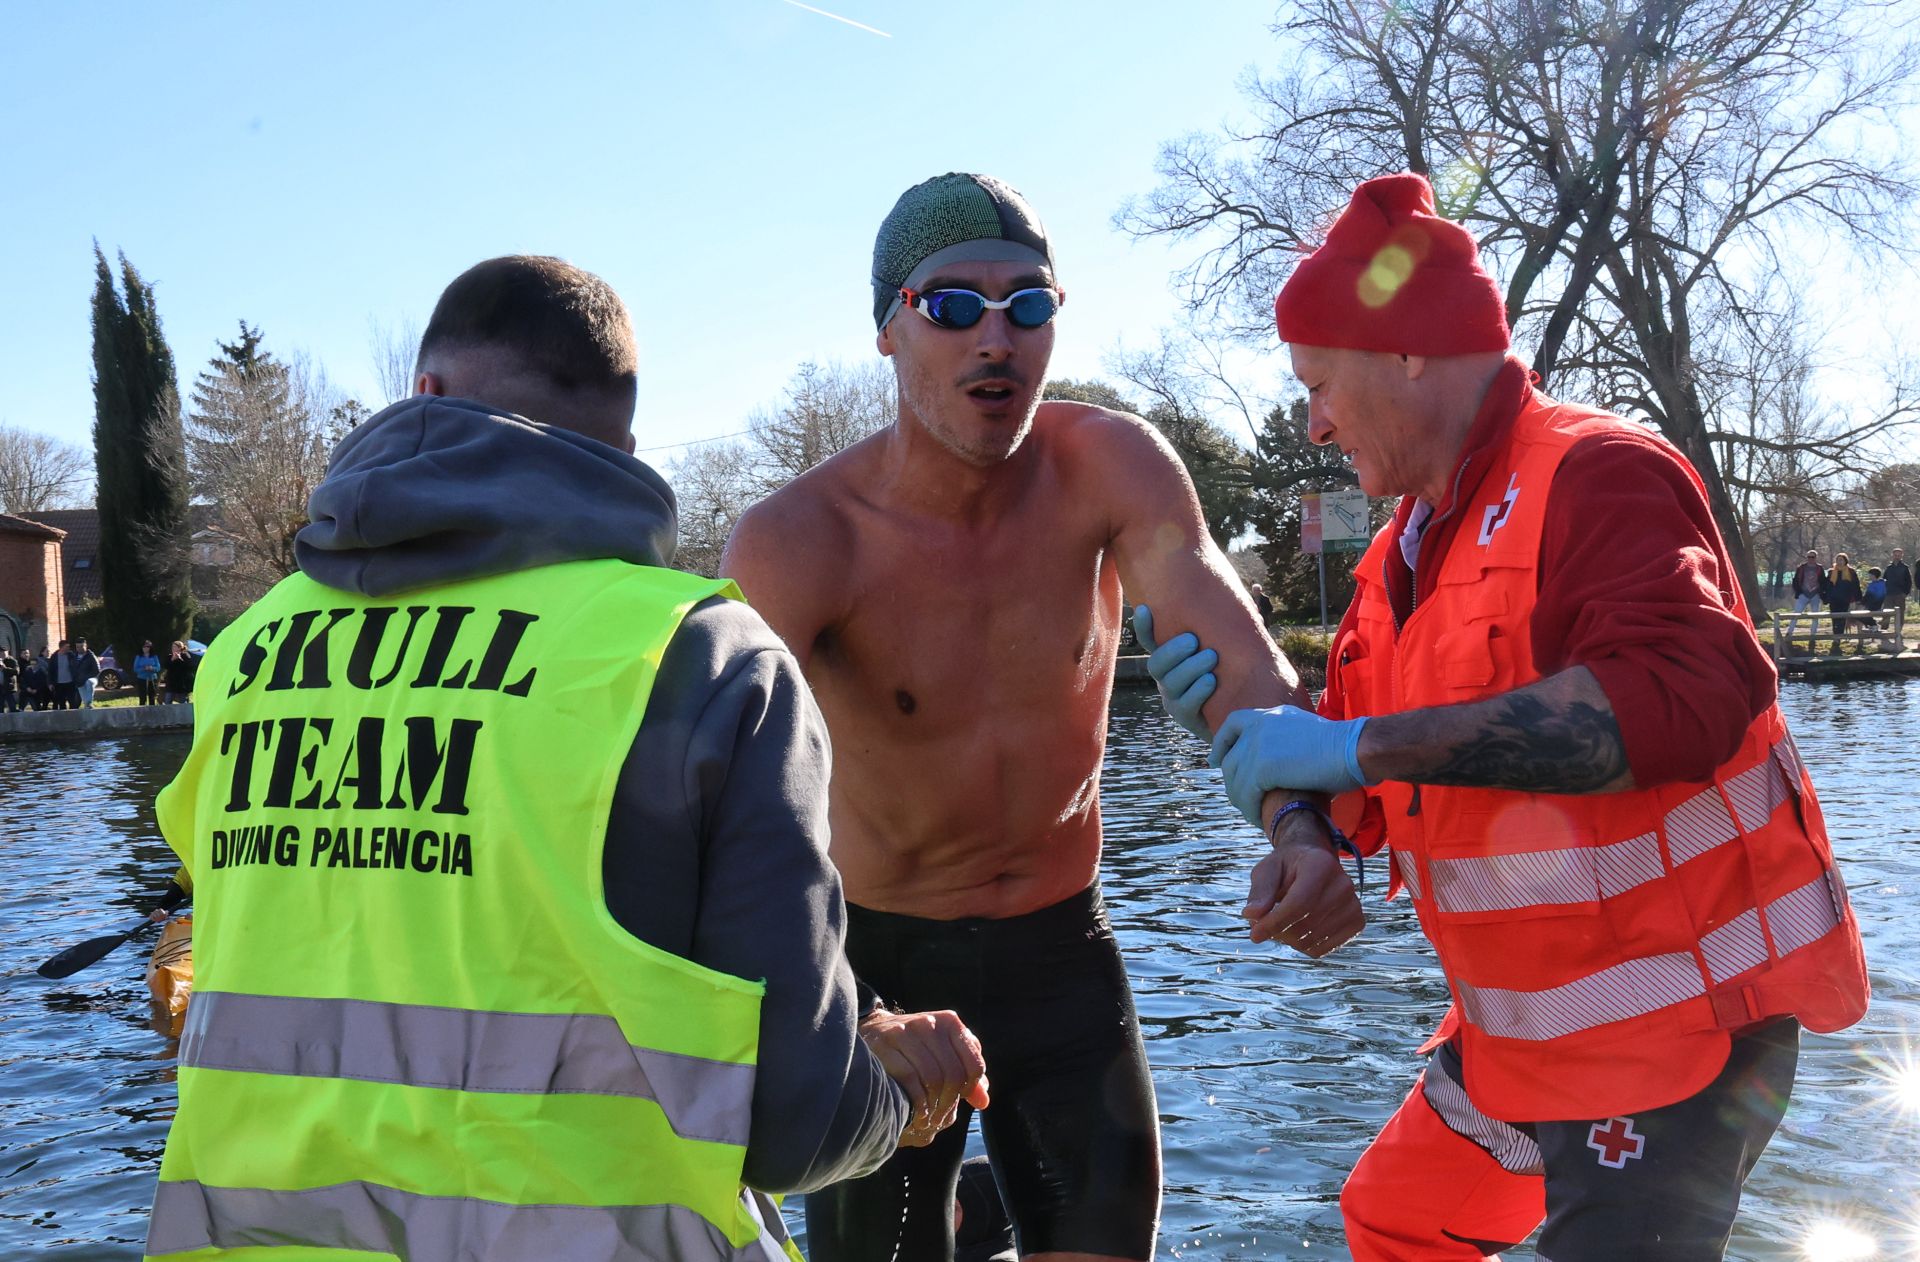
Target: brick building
x=33, y=600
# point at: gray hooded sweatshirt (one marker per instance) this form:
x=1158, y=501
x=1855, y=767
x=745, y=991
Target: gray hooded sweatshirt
x=716, y=848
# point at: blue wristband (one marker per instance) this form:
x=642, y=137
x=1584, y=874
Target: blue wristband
x=1340, y=842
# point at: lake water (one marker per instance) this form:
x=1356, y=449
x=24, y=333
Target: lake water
x=1273, y=1071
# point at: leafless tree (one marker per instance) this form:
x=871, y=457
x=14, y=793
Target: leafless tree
x=39, y=472
x=714, y=483
x=1637, y=169
x=395, y=350
x=828, y=406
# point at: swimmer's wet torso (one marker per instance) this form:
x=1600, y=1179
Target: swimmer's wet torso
x=964, y=666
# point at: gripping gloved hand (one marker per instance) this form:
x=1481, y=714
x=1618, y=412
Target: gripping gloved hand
x=1181, y=670
x=1286, y=748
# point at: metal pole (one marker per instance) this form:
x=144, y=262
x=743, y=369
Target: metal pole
x=1321, y=556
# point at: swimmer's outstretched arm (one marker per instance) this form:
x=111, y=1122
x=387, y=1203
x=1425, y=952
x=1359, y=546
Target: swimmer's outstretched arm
x=1299, y=896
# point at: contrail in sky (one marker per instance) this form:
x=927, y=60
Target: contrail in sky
x=836, y=17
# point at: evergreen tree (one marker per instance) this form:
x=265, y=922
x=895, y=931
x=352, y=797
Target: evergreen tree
x=140, y=460
x=242, y=392
x=258, y=433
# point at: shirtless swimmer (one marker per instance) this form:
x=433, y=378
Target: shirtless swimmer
x=951, y=586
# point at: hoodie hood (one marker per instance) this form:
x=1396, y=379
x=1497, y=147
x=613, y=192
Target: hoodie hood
x=435, y=490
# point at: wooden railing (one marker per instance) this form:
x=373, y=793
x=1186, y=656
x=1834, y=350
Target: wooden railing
x=1873, y=632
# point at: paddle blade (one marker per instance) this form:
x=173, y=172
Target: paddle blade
x=77, y=957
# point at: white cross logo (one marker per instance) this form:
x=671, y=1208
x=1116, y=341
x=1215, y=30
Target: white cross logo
x=1497, y=514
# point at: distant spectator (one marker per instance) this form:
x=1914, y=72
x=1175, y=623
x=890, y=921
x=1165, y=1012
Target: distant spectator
x=177, y=674
x=1809, y=583
x=1264, y=605
x=9, y=682
x=36, y=689
x=61, y=675
x=1899, y=578
x=87, y=668
x=1876, y=591
x=1843, y=592
x=146, y=673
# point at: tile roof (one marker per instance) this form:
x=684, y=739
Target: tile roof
x=26, y=526
x=79, y=551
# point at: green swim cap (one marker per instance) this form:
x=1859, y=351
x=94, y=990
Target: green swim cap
x=952, y=218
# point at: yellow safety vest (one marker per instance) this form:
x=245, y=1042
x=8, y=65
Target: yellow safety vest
x=417, y=1032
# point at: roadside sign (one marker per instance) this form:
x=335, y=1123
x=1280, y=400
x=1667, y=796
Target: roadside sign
x=1310, y=537
x=1334, y=521
x=1343, y=520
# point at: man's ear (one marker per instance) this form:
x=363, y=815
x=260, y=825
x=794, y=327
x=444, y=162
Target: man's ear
x=629, y=442
x=883, y=340
x=1416, y=366
x=430, y=383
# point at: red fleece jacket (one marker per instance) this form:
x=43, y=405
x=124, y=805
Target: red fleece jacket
x=1635, y=585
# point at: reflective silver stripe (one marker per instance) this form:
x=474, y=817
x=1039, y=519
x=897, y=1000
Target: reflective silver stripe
x=1585, y=874
x=1409, y=871
x=1637, y=987
x=532, y=1053
x=1515, y=1151
x=377, y=1219
x=1797, y=919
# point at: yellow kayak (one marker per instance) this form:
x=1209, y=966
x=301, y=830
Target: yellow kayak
x=170, y=974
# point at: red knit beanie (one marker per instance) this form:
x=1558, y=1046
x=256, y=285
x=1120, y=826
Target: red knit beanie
x=1393, y=276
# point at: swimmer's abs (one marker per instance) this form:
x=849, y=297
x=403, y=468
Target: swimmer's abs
x=955, y=877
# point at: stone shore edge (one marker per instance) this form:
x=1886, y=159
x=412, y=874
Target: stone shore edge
x=80, y=725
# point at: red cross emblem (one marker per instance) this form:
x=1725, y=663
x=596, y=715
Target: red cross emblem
x=1616, y=1140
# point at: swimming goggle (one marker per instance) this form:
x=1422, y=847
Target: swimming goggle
x=963, y=308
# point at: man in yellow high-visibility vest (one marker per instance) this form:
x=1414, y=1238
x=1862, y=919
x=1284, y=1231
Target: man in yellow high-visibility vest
x=517, y=935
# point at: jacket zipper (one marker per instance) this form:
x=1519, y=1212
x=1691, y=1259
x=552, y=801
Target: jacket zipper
x=1413, y=593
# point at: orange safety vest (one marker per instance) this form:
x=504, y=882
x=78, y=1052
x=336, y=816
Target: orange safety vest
x=1600, y=948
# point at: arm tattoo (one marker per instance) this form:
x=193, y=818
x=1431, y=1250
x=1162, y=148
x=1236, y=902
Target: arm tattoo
x=1528, y=745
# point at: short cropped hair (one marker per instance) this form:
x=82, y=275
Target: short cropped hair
x=558, y=320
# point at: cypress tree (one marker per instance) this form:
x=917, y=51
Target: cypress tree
x=140, y=456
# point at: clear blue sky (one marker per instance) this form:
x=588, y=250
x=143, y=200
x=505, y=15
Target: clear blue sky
x=723, y=163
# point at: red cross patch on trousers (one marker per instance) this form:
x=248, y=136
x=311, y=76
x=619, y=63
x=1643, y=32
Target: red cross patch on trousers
x=1616, y=1140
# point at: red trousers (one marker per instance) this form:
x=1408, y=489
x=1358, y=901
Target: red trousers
x=1443, y=1182
x=1423, y=1193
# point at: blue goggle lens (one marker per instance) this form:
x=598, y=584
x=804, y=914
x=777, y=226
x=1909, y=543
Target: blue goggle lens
x=1032, y=308
x=956, y=308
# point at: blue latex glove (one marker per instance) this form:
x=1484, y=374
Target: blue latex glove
x=1286, y=748
x=1181, y=670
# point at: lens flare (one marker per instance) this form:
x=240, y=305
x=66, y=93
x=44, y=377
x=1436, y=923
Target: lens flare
x=1896, y=1078
x=1835, y=1241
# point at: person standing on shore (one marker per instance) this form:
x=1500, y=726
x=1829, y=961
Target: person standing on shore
x=177, y=674
x=1261, y=604
x=1899, y=579
x=1842, y=593
x=951, y=587
x=593, y=1002
x=87, y=668
x=1571, y=743
x=9, y=682
x=1809, y=583
x=35, y=690
x=63, y=679
x=146, y=674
